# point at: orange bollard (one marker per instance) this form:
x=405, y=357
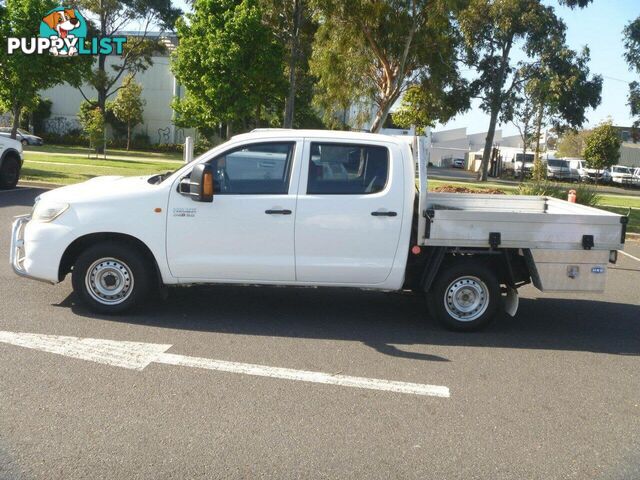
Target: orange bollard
x=572, y=196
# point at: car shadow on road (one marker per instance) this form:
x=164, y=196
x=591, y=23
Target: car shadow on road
x=385, y=321
x=19, y=196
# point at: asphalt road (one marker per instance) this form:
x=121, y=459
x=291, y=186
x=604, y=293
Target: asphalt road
x=554, y=393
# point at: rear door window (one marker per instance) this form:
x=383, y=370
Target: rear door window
x=340, y=169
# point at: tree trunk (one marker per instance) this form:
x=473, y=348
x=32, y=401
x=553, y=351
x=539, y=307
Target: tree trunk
x=16, y=119
x=539, y=131
x=229, y=130
x=381, y=115
x=496, y=106
x=524, y=156
x=101, y=86
x=289, y=108
x=128, y=135
x=488, y=146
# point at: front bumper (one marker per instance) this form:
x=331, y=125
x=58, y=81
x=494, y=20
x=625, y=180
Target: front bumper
x=17, y=252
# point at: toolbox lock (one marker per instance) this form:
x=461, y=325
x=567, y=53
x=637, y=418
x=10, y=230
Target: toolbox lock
x=587, y=242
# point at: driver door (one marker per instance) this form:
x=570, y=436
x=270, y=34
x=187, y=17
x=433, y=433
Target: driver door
x=247, y=232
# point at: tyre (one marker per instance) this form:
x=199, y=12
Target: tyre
x=9, y=172
x=111, y=277
x=24, y=142
x=465, y=296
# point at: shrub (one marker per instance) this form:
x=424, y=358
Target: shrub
x=73, y=138
x=585, y=194
x=202, y=145
x=167, y=147
x=141, y=140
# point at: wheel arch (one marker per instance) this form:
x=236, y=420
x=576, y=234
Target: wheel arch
x=509, y=265
x=76, y=247
x=10, y=152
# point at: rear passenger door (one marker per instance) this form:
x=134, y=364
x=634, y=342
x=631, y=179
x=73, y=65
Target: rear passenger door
x=349, y=212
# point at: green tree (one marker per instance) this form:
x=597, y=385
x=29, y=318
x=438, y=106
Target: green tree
x=129, y=105
x=492, y=29
x=572, y=143
x=374, y=51
x=23, y=76
x=558, y=91
x=111, y=17
x=231, y=64
x=293, y=25
x=602, y=147
x=632, y=55
x=92, y=120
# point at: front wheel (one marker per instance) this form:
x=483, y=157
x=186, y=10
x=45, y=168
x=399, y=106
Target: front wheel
x=465, y=297
x=111, y=278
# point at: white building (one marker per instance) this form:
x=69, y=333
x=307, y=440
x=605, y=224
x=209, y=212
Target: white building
x=159, y=87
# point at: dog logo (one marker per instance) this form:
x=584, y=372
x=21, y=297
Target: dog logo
x=63, y=32
x=66, y=24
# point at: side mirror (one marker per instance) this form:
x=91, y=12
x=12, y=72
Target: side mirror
x=201, y=183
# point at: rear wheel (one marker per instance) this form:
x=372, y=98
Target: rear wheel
x=111, y=277
x=465, y=296
x=9, y=172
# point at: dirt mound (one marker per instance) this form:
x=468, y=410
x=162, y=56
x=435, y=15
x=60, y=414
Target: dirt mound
x=456, y=189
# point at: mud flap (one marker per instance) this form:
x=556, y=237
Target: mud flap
x=511, y=301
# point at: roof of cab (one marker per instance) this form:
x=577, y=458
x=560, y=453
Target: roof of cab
x=338, y=134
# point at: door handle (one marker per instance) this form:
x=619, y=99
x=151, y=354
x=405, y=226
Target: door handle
x=384, y=214
x=278, y=212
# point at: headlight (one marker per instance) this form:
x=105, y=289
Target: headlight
x=47, y=211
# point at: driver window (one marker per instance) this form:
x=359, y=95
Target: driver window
x=261, y=168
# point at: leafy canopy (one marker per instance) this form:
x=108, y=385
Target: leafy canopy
x=572, y=143
x=632, y=55
x=128, y=106
x=375, y=51
x=602, y=146
x=230, y=63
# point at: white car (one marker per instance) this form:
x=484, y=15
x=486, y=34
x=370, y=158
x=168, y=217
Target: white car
x=11, y=160
x=312, y=208
x=578, y=168
x=636, y=176
x=621, y=175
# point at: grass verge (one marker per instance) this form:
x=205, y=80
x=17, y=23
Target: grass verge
x=65, y=170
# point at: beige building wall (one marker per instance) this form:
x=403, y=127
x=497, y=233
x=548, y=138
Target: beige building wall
x=157, y=89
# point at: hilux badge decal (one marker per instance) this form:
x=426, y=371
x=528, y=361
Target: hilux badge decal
x=184, y=212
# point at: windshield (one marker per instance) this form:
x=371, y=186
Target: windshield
x=557, y=163
x=621, y=170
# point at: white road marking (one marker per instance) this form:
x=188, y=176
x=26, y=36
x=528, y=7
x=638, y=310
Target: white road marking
x=133, y=355
x=630, y=256
x=137, y=355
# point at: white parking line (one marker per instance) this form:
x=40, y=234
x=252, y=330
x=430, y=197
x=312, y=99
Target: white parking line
x=137, y=355
x=629, y=255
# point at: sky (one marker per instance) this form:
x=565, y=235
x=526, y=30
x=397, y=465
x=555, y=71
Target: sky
x=599, y=26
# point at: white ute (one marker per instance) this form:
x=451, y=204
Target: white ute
x=312, y=208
